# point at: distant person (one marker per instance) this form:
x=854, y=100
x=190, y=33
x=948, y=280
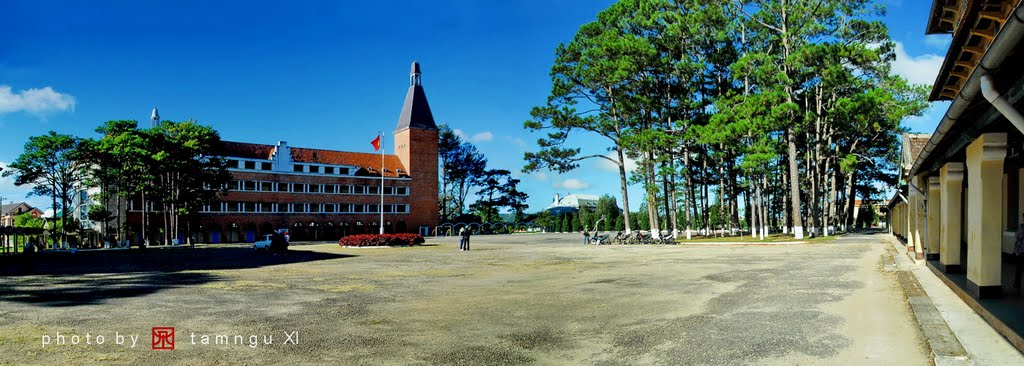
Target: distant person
x=464, y=235
x=586, y=236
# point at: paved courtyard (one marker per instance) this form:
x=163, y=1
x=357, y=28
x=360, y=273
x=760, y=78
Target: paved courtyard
x=522, y=299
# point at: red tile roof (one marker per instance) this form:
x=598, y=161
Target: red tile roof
x=247, y=150
x=367, y=161
x=370, y=162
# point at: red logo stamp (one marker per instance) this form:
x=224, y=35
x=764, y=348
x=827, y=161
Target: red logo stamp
x=163, y=338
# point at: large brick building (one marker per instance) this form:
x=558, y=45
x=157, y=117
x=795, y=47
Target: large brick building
x=325, y=194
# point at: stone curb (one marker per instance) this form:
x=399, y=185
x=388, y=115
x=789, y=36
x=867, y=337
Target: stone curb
x=944, y=347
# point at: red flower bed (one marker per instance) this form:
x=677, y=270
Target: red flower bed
x=375, y=240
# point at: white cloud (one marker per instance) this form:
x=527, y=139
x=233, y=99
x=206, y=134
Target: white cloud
x=572, y=184
x=34, y=100
x=917, y=69
x=481, y=137
x=938, y=41
x=461, y=134
x=542, y=176
x=606, y=165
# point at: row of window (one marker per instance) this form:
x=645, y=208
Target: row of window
x=268, y=207
x=298, y=168
x=263, y=186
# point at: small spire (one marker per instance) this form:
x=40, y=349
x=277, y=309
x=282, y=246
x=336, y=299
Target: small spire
x=155, y=117
x=415, y=74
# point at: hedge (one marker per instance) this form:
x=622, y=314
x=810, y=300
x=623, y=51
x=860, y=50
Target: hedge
x=375, y=240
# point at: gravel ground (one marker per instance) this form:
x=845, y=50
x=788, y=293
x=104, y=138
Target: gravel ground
x=521, y=299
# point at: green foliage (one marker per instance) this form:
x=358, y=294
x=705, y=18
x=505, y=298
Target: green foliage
x=26, y=220
x=52, y=164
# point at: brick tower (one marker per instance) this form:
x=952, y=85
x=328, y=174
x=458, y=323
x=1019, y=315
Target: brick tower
x=416, y=147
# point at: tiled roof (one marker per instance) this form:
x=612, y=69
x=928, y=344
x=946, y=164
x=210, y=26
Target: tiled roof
x=370, y=162
x=6, y=209
x=246, y=150
x=917, y=144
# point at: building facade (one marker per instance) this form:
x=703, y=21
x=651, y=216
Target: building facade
x=964, y=194
x=319, y=194
x=9, y=211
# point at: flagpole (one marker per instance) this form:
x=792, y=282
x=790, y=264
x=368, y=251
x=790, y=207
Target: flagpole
x=381, y=182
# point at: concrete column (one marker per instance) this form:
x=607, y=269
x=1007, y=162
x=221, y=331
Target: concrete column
x=951, y=181
x=934, y=212
x=984, y=213
x=921, y=225
x=911, y=202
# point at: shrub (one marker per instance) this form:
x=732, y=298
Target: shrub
x=375, y=240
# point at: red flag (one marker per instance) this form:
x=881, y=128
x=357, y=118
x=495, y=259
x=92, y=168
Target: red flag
x=376, y=143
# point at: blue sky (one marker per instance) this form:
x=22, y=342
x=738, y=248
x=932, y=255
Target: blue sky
x=320, y=74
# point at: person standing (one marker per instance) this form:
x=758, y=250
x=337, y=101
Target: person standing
x=467, y=233
x=462, y=239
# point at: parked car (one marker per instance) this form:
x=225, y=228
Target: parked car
x=263, y=244
x=287, y=238
x=278, y=244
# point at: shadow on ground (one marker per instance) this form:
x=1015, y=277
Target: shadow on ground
x=152, y=260
x=95, y=288
x=83, y=278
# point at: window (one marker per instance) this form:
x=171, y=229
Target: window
x=297, y=168
x=344, y=189
x=232, y=163
x=314, y=207
x=389, y=190
x=266, y=207
x=329, y=207
x=250, y=165
x=314, y=169
x=373, y=190
x=372, y=208
x=248, y=185
x=330, y=188
x=358, y=208
x=283, y=187
x=389, y=208
x=266, y=186
x=314, y=188
x=402, y=208
x=266, y=166
x=299, y=207
x=358, y=189
x=328, y=170
x=232, y=206
x=248, y=207
x=235, y=185
x=401, y=190
x=298, y=188
x=344, y=208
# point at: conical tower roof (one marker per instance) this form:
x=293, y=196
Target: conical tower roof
x=416, y=111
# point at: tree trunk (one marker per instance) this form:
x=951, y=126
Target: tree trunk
x=794, y=186
x=687, y=199
x=623, y=185
x=652, y=196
